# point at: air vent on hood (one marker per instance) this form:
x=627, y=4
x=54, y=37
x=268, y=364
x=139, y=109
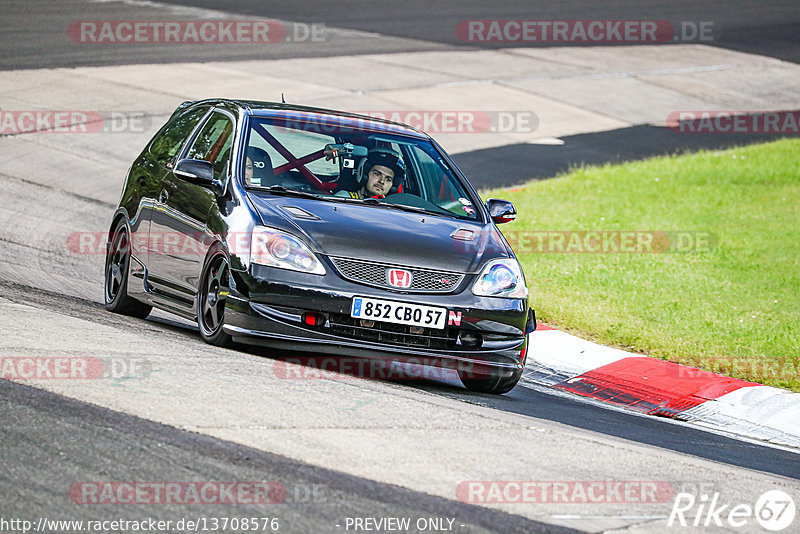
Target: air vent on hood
x=299, y=213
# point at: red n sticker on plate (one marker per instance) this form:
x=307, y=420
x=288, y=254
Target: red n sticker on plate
x=454, y=318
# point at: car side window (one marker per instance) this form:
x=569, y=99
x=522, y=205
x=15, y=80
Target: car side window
x=214, y=142
x=442, y=188
x=166, y=144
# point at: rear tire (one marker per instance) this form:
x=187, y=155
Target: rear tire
x=211, y=298
x=118, y=259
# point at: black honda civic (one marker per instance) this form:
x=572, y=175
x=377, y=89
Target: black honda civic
x=313, y=230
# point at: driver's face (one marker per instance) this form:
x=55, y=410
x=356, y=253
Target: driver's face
x=248, y=169
x=380, y=180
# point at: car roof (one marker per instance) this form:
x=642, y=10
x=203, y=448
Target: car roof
x=307, y=113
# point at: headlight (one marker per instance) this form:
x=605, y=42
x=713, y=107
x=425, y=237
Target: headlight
x=501, y=278
x=278, y=249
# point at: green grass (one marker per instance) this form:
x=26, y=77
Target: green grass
x=732, y=308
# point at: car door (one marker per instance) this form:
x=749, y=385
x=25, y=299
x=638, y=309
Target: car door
x=180, y=221
x=149, y=171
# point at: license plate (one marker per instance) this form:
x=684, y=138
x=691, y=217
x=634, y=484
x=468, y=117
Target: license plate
x=399, y=312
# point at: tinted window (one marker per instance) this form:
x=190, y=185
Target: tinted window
x=299, y=143
x=170, y=139
x=299, y=151
x=437, y=184
x=214, y=142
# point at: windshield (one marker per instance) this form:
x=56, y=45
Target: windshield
x=342, y=162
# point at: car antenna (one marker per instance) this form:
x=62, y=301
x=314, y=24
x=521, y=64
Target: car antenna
x=283, y=100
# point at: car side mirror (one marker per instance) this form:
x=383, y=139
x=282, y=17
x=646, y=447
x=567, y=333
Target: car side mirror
x=501, y=211
x=198, y=171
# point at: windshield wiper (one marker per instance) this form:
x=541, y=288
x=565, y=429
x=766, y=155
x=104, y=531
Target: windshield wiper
x=281, y=190
x=402, y=207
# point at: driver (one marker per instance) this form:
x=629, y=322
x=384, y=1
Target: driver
x=258, y=168
x=383, y=173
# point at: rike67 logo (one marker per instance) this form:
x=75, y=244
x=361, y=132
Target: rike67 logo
x=774, y=510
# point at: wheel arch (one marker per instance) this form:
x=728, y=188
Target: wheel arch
x=119, y=215
x=217, y=335
x=217, y=245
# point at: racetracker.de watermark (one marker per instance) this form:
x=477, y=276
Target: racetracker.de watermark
x=73, y=121
x=169, y=243
x=395, y=368
x=522, y=241
x=460, y=121
x=205, y=492
x=566, y=492
x=779, y=369
x=735, y=122
x=596, y=241
x=584, y=31
x=72, y=368
x=194, y=32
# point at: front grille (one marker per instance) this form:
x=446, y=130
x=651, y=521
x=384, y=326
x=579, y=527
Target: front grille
x=374, y=274
x=392, y=334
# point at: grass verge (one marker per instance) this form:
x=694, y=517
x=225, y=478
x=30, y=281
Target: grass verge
x=719, y=286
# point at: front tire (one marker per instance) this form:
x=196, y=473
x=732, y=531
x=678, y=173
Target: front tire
x=491, y=381
x=211, y=300
x=118, y=259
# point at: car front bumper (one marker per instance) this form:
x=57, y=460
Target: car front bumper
x=267, y=307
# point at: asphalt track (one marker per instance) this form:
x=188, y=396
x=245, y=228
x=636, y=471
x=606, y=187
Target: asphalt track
x=529, y=400
x=769, y=28
x=502, y=166
x=49, y=440
x=33, y=35
x=46, y=438
x=33, y=32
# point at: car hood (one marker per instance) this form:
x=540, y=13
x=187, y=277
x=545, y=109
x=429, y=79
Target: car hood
x=381, y=234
